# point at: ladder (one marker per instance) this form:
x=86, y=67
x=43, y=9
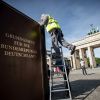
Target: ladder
x=57, y=84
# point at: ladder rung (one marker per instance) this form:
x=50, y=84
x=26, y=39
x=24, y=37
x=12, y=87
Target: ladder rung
x=60, y=81
x=57, y=84
x=57, y=59
x=58, y=77
x=59, y=72
x=60, y=90
x=58, y=47
x=58, y=65
x=64, y=99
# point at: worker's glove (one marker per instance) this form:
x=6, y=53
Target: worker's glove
x=41, y=24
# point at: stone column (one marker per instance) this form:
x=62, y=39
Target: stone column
x=74, y=61
x=91, y=57
x=82, y=53
x=77, y=59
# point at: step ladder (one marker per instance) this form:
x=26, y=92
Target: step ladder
x=57, y=83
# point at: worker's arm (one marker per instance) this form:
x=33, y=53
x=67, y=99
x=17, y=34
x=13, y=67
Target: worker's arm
x=44, y=20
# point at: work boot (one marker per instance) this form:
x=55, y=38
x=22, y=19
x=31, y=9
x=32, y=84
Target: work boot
x=73, y=50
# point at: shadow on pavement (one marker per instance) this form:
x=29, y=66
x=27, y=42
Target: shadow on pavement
x=90, y=73
x=82, y=88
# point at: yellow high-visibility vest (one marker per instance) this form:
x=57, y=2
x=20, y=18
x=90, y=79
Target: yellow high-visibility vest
x=52, y=23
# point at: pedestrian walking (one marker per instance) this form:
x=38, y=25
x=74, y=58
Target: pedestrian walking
x=83, y=67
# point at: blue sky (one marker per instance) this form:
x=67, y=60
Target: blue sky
x=74, y=16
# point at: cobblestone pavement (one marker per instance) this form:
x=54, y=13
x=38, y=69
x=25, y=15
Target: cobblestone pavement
x=85, y=87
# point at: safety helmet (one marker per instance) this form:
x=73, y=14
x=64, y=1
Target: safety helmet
x=42, y=15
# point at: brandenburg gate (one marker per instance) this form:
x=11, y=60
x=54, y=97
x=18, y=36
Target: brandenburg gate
x=90, y=42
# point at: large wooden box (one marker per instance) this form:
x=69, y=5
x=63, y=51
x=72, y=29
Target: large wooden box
x=23, y=74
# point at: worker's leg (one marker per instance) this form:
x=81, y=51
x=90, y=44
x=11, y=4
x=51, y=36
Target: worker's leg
x=65, y=43
x=55, y=42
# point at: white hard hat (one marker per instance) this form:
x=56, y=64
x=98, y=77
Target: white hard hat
x=44, y=15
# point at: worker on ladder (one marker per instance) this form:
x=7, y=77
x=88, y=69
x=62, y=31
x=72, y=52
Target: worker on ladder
x=55, y=31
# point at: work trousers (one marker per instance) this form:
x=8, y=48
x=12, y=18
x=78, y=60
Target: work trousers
x=57, y=36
